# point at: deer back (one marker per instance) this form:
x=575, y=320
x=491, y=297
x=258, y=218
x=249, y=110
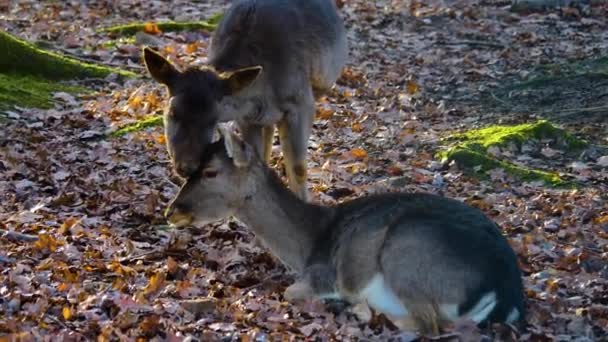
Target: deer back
x=296, y=41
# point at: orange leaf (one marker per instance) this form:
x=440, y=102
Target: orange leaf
x=119, y=284
x=135, y=101
x=161, y=139
x=46, y=241
x=325, y=113
x=67, y=224
x=601, y=219
x=192, y=48
x=116, y=267
x=412, y=87
x=358, y=153
x=67, y=313
x=153, y=100
x=156, y=283
x=152, y=28
x=63, y=287
x=68, y=275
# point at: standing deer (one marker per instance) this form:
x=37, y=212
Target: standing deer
x=423, y=260
x=268, y=62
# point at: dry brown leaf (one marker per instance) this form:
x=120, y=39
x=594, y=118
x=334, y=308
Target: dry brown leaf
x=412, y=87
x=156, y=283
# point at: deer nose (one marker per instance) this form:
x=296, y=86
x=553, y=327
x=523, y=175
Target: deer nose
x=185, y=169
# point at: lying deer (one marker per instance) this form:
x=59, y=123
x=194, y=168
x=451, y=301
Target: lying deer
x=423, y=260
x=268, y=61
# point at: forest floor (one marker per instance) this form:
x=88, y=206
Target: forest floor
x=85, y=252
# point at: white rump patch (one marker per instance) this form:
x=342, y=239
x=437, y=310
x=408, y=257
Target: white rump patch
x=382, y=298
x=483, y=308
x=513, y=316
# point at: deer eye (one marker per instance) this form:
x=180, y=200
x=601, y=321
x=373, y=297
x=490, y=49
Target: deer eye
x=209, y=174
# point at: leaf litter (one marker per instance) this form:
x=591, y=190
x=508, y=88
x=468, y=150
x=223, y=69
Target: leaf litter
x=83, y=251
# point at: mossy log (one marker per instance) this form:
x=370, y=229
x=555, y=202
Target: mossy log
x=150, y=121
x=471, y=150
x=30, y=92
x=165, y=26
x=23, y=58
x=29, y=75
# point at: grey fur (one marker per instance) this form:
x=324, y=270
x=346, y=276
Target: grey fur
x=438, y=256
x=301, y=48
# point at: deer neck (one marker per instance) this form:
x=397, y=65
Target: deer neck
x=287, y=225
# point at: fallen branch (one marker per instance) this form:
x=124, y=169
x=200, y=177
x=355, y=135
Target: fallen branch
x=474, y=43
x=166, y=26
x=6, y=260
x=578, y=110
x=16, y=236
x=151, y=121
x=24, y=57
x=149, y=255
x=86, y=59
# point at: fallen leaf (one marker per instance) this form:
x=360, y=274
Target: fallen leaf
x=358, y=153
x=67, y=313
x=152, y=28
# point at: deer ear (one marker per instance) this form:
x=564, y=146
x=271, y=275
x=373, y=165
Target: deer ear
x=236, y=148
x=240, y=79
x=159, y=67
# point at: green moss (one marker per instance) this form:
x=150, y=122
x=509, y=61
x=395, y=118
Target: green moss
x=151, y=121
x=110, y=44
x=28, y=91
x=21, y=57
x=470, y=150
x=500, y=136
x=482, y=162
x=166, y=26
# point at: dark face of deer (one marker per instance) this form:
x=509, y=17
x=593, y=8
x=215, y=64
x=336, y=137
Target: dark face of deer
x=195, y=106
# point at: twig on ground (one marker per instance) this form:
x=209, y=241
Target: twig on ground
x=86, y=59
x=16, y=236
x=100, y=62
x=574, y=111
x=6, y=260
x=144, y=255
x=56, y=321
x=474, y=43
x=498, y=99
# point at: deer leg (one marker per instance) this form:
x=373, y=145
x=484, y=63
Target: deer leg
x=267, y=137
x=294, y=131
